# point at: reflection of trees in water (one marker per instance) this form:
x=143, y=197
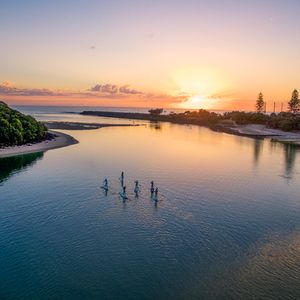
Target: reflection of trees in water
x=155, y=125
x=258, y=144
x=11, y=165
x=290, y=151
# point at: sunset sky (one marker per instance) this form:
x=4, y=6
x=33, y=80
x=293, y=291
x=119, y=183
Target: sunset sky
x=216, y=54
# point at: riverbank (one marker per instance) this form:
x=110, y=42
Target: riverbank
x=58, y=140
x=260, y=131
x=211, y=121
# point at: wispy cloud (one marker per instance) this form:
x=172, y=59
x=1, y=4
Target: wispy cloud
x=98, y=91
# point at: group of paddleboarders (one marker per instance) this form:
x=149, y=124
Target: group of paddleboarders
x=137, y=188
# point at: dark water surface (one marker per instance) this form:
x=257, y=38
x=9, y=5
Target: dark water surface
x=227, y=225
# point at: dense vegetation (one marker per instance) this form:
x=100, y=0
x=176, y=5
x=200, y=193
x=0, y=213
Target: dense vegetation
x=242, y=118
x=199, y=117
x=284, y=121
x=17, y=128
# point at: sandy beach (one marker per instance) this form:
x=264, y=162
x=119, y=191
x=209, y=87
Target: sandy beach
x=60, y=140
x=261, y=131
x=82, y=126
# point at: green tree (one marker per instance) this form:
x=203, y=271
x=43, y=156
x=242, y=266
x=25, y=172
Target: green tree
x=294, y=103
x=260, y=103
x=18, y=129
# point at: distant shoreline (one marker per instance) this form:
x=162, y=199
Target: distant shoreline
x=250, y=130
x=60, y=140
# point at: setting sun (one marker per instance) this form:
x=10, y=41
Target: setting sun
x=197, y=102
x=201, y=85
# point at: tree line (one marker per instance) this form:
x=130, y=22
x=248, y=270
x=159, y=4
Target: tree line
x=293, y=104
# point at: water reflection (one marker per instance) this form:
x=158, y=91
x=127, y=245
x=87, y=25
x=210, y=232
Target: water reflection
x=290, y=152
x=258, y=144
x=12, y=165
x=155, y=125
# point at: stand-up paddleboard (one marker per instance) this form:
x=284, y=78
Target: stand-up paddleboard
x=123, y=196
x=123, y=193
x=155, y=196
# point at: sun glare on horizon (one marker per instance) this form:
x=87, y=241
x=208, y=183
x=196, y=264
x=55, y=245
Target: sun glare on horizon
x=201, y=84
x=198, y=102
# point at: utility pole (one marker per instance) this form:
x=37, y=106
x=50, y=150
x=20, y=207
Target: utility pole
x=281, y=110
x=265, y=107
x=274, y=107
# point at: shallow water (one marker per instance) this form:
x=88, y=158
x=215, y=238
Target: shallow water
x=226, y=225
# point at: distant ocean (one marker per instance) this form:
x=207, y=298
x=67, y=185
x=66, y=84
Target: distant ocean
x=32, y=109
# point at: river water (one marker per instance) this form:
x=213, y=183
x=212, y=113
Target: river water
x=226, y=225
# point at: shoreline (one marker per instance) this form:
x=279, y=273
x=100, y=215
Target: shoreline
x=260, y=132
x=59, y=141
x=250, y=130
x=81, y=125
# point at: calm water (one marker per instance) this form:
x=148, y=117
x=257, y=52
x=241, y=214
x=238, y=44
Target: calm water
x=227, y=225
